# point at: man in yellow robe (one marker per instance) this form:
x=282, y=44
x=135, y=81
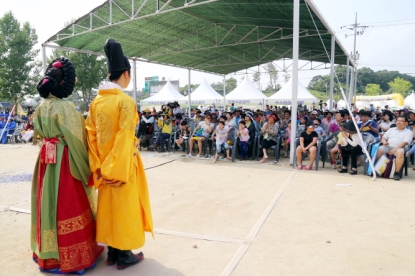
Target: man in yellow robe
x=124, y=212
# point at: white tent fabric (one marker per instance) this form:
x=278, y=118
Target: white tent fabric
x=245, y=93
x=167, y=94
x=410, y=100
x=204, y=95
x=284, y=95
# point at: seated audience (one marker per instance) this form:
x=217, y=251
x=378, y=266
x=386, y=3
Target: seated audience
x=308, y=143
x=201, y=133
x=349, y=147
x=270, y=132
x=394, y=141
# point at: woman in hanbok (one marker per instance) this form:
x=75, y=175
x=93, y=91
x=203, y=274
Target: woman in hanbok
x=63, y=224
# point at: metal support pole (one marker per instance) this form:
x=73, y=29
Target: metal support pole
x=355, y=87
x=44, y=59
x=224, y=90
x=90, y=21
x=110, y=12
x=350, y=98
x=296, y=41
x=190, y=97
x=135, y=82
x=347, y=78
x=132, y=9
x=333, y=45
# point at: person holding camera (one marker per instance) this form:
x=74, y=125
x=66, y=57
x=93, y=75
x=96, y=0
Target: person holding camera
x=146, y=128
x=164, y=123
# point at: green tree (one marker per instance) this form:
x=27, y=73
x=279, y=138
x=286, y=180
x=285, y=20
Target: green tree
x=400, y=86
x=272, y=72
x=373, y=89
x=90, y=69
x=185, y=89
x=257, y=78
x=19, y=69
x=230, y=85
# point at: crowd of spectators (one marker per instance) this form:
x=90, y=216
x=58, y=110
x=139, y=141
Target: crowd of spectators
x=335, y=127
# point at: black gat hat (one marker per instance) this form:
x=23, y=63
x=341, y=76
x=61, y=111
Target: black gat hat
x=116, y=61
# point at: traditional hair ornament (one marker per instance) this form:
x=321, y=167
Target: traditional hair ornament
x=59, y=79
x=57, y=64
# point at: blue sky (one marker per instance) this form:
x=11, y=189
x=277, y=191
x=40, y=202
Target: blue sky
x=390, y=46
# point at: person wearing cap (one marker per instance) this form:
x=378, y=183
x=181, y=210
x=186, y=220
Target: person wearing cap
x=146, y=128
x=313, y=116
x=367, y=125
x=349, y=147
x=124, y=211
x=308, y=142
x=63, y=205
x=166, y=126
x=394, y=142
x=237, y=116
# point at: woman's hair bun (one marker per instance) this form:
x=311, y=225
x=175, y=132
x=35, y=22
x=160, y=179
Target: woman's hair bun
x=60, y=69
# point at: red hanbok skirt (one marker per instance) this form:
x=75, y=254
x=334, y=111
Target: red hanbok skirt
x=76, y=226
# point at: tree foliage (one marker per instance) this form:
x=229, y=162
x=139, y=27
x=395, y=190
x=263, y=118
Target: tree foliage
x=272, y=72
x=257, y=78
x=90, y=69
x=373, y=89
x=400, y=86
x=19, y=69
x=365, y=76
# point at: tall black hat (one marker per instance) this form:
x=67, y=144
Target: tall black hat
x=116, y=61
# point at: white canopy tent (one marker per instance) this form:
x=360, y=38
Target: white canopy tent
x=410, y=100
x=284, y=96
x=204, y=95
x=167, y=94
x=246, y=93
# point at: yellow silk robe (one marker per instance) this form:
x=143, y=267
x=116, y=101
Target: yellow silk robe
x=124, y=212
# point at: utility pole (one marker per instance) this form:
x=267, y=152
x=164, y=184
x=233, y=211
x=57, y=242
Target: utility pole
x=358, y=30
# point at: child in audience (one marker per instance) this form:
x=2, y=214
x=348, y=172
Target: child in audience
x=243, y=134
x=221, y=133
x=184, y=134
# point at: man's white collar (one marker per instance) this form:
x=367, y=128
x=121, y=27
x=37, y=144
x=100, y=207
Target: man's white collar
x=109, y=85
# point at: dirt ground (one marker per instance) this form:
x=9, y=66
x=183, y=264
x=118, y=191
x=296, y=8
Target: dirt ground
x=241, y=218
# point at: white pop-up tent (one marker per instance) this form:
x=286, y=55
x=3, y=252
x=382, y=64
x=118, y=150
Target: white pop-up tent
x=410, y=100
x=284, y=96
x=246, y=93
x=203, y=95
x=167, y=94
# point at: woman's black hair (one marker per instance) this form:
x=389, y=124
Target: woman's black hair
x=117, y=74
x=183, y=123
x=390, y=114
x=59, y=79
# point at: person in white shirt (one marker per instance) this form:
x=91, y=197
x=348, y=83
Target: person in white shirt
x=207, y=128
x=221, y=133
x=394, y=141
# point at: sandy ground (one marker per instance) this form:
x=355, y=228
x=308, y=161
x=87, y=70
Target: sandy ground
x=242, y=218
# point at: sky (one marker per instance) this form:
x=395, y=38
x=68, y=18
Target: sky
x=387, y=44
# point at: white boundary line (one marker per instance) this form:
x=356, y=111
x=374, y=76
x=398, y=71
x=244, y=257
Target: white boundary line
x=198, y=236
x=233, y=263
